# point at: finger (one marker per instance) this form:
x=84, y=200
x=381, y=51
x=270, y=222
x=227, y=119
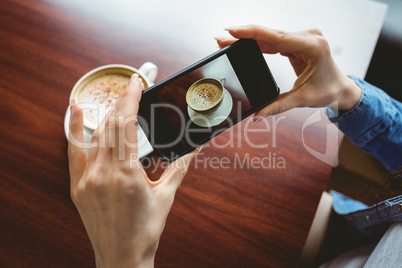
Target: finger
x=106, y=136
x=129, y=100
x=271, y=40
x=173, y=176
x=225, y=41
x=76, y=149
x=126, y=111
x=100, y=139
x=283, y=103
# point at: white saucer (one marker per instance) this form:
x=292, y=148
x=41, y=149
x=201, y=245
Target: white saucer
x=216, y=117
x=144, y=147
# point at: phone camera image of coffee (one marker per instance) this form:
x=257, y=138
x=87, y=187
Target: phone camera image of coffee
x=205, y=95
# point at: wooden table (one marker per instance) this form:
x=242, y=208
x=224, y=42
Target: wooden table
x=255, y=210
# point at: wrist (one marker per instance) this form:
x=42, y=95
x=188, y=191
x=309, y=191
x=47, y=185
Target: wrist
x=125, y=260
x=350, y=95
x=131, y=262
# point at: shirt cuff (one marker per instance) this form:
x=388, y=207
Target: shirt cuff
x=368, y=118
x=335, y=115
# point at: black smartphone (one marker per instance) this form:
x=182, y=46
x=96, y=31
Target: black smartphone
x=193, y=106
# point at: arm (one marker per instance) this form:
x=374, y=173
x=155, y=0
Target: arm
x=374, y=125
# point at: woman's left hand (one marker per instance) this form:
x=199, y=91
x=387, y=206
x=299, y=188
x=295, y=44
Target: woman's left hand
x=124, y=212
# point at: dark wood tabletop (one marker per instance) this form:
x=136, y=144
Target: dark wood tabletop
x=239, y=206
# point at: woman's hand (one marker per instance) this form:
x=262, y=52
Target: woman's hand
x=319, y=81
x=124, y=212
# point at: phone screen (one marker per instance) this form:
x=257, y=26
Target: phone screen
x=201, y=102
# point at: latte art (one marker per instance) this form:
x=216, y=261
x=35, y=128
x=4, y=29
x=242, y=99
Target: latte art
x=102, y=92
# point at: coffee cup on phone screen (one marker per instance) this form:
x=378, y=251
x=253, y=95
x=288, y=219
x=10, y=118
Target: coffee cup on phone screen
x=205, y=95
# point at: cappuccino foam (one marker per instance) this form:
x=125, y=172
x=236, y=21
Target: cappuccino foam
x=103, y=92
x=205, y=95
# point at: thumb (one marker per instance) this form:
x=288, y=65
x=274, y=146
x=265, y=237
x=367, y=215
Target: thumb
x=174, y=173
x=283, y=103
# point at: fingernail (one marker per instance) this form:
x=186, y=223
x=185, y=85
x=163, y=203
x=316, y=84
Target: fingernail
x=219, y=37
x=133, y=77
x=231, y=28
x=195, y=151
x=256, y=120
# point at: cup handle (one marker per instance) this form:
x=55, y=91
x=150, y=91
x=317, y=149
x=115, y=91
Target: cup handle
x=150, y=70
x=223, y=81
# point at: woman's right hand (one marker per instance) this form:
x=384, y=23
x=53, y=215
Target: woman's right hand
x=319, y=81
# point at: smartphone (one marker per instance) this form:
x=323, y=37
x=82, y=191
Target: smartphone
x=196, y=104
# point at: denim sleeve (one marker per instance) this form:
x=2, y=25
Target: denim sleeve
x=374, y=125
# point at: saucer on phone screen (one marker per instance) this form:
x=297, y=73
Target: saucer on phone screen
x=213, y=118
x=144, y=147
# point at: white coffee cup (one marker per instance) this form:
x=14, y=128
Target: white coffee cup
x=147, y=72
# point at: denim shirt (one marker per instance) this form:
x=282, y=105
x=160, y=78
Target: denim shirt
x=375, y=126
